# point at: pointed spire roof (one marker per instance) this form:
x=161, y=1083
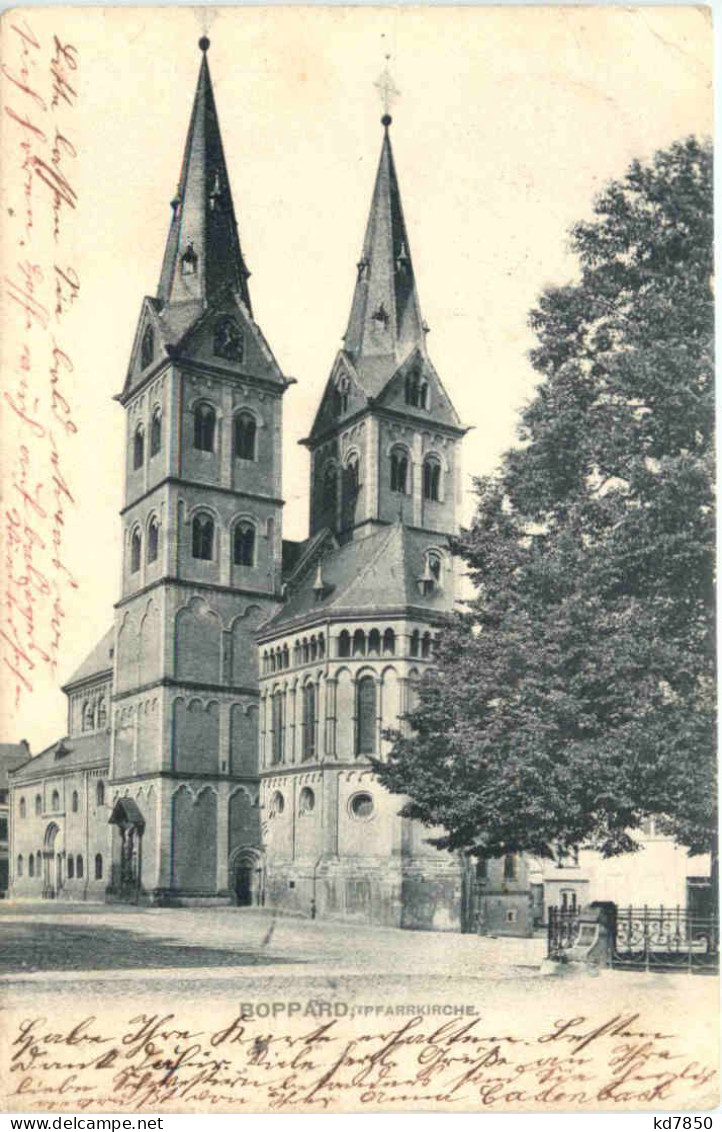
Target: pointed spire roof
x=385, y=322
x=203, y=253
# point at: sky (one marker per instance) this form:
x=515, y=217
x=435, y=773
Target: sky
x=509, y=122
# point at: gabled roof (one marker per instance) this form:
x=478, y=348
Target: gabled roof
x=204, y=222
x=360, y=577
x=98, y=662
x=12, y=756
x=68, y=754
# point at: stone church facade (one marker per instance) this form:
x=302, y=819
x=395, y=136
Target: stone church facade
x=219, y=736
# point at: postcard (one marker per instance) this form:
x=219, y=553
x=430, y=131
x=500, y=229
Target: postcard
x=358, y=713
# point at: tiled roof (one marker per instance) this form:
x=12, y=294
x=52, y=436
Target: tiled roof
x=98, y=660
x=12, y=755
x=380, y=571
x=80, y=751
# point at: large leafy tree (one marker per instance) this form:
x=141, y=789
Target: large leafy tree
x=575, y=694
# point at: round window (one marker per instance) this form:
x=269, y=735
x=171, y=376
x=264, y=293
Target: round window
x=306, y=801
x=277, y=804
x=361, y=806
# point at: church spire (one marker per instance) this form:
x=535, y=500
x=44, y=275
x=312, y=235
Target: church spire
x=203, y=254
x=385, y=318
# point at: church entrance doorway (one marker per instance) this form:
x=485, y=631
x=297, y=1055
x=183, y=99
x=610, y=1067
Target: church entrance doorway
x=127, y=872
x=246, y=873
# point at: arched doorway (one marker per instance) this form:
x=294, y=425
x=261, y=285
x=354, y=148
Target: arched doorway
x=246, y=877
x=52, y=863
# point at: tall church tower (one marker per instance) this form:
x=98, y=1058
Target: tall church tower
x=363, y=603
x=385, y=440
x=201, y=550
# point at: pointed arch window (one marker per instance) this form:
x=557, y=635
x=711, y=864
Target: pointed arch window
x=432, y=479
x=153, y=537
x=136, y=548
x=147, y=347
x=309, y=721
x=399, y=471
x=189, y=260
x=204, y=427
x=138, y=441
x=155, y=432
x=366, y=716
x=203, y=531
x=244, y=545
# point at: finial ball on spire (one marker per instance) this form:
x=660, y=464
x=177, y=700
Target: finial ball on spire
x=204, y=43
x=386, y=120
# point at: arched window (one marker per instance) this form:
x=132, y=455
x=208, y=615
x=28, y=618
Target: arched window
x=344, y=643
x=155, y=432
x=38, y=805
x=329, y=493
x=411, y=389
x=434, y=562
x=55, y=801
x=342, y=396
x=305, y=651
x=38, y=864
x=189, y=260
x=306, y=801
x=510, y=866
x=321, y=647
x=204, y=427
x=71, y=867
x=286, y=657
x=399, y=471
x=244, y=544
x=138, y=447
x=203, y=529
x=79, y=867
x=245, y=436
x=20, y=865
x=309, y=721
x=277, y=721
x=153, y=532
x=31, y=865
x=432, y=478
x=23, y=811
x=88, y=715
x=98, y=866
x=136, y=548
x=147, y=348
x=426, y=645
x=277, y=805
x=374, y=642
x=366, y=716
x=102, y=712
x=423, y=395
x=389, y=641
x=100, y=793
x=74, y=803
x=359, y=643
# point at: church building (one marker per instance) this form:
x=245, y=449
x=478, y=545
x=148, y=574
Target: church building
x=219, y=735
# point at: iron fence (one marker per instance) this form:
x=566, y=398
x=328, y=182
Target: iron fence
x=665, y=938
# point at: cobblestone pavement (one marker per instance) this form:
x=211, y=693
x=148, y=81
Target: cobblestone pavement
x=86, y=941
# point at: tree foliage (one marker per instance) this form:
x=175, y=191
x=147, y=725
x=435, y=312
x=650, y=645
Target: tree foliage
x=575, y=694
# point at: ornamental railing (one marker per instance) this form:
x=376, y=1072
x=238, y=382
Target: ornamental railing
x=665, y=938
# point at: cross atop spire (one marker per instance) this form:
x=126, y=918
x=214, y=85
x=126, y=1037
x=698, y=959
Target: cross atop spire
x=385, y=318
x=203, y=253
